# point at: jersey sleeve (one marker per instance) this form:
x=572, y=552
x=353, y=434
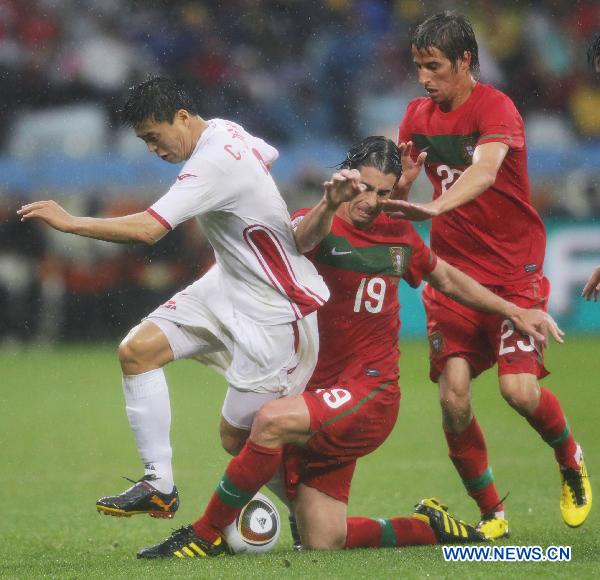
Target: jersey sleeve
x=267, y=152
x=297, y=217
x=195, y=192
x=422, y=260
x=500, y=122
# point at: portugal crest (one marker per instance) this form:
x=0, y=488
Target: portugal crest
x=436, y=343
x=467, y=148
x=399, y=259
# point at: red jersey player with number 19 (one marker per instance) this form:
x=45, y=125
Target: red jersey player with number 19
x=484, y=224
x=352, y=400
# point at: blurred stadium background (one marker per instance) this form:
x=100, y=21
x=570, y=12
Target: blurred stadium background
x=311, y=77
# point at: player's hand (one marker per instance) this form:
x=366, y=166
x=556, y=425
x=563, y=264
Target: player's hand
x=50, y=212
x=410, y=167
x=401, y=209
x=592, y=287
x=343, y=186
x=538, y=324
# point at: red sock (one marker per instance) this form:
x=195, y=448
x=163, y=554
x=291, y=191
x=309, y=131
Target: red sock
x=380, y=533
x=245, y=475
x=468, y=452
x=549, y=421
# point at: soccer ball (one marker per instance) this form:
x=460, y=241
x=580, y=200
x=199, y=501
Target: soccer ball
x=256, y=529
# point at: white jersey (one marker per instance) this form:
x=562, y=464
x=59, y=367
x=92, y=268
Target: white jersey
x=227, y=186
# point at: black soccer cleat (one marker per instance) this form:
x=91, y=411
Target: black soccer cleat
x=447, y=529
x=140, y=498
x=184, y=543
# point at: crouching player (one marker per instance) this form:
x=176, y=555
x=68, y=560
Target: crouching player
x=352, y=401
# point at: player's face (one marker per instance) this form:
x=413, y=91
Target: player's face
x=172, y=142
x=366, y=206
x=443, y=82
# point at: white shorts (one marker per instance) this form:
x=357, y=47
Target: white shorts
x=277, y=360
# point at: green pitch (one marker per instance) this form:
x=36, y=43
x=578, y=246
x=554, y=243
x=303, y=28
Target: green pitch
x=65, y=442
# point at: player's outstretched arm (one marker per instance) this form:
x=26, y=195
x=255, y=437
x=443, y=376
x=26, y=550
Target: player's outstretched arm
x=137, y=227
x=316, y=224
x=462, y=288
x=592, y=286
x=478, y=177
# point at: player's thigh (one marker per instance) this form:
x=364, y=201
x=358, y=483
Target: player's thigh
x=273, y=358
x=353, y=418
x=454, y=331
x=240, y=407
x=321, y=519
x=518, y=353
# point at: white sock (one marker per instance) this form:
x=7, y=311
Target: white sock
x=149, y=413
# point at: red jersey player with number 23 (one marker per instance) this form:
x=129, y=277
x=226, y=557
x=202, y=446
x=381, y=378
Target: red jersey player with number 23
x=470, y=137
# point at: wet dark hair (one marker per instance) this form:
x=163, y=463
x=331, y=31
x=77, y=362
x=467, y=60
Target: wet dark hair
x=593, y=53
x=156, y=98
x=377, y=152
x=451, y=33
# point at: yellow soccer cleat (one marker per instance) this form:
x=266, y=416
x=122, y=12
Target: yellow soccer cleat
x=447, y=528
x=576, y=495
x=493, y=526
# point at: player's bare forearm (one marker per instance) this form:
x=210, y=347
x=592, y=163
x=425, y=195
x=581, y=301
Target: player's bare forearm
x=315, y=225
x=342, y=187
x=476, y=179
x=139, y=227
x=465, y=290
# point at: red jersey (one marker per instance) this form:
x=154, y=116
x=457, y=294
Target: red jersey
x=359, y=326
x=498, y=238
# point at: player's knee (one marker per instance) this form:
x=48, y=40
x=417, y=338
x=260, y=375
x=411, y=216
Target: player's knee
x=455, y=402
x=138, y=355
x=269, y=423
x=523, y=395
x=131, y=355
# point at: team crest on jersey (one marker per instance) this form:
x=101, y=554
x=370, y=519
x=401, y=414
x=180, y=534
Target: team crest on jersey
x=399, y=259
x=436, y=343
x=467, y=147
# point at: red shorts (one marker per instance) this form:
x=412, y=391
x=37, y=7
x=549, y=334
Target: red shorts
x=348, y=420
x=483, y=339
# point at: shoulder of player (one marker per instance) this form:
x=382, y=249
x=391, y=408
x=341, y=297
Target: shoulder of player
x=419, y=105
x=491, y=96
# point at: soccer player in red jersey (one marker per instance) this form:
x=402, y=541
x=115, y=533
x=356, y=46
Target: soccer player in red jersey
x=592, y=287
x=352, y=401
x=484, y=224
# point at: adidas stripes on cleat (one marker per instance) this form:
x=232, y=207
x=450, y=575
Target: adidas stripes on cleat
x=493, y=526
x=140, y=498
x=184, y=543
x=576, y=496
x=447, y=529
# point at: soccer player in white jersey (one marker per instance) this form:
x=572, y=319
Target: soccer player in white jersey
x=252, y=316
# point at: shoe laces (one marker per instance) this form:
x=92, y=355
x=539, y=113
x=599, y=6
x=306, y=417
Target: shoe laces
x=487, y=516
x=181, y=536
x=574, y=481
x=147, y=477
